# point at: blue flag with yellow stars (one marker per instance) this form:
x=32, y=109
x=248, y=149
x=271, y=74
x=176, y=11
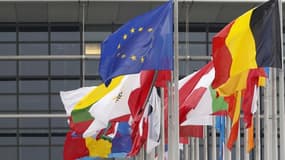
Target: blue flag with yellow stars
x=144, y=43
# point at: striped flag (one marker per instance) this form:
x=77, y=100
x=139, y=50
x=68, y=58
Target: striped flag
x=250, y=41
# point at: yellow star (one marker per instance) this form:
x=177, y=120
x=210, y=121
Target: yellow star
x=150, y=30
x=119, y=46
x=133, y=58
x=142, y=59
x=125, y=36
x=132, y=30
x=123, y=56
x=140, y=29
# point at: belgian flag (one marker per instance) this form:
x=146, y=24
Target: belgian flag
x=250, y=41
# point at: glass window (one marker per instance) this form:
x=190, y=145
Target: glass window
x=93, y=82
x=210, y=49
x=33, y=123
x=34, y=68
x=194, y=49
x=192, y=36
x=8, y=103
x=33, y=49
x=59, y=123
x=96, y=36
x=33, y=102
x=57, y=140
x=64, y=85
x=34, y=86
x=8, y=68
x=65, y=36
x=8, y=153
x=65, y=48
x=8, y=87
x=34, y=153
x=33, y=36
x=8, y=49
x=5, y=140
x=65, y=33
x=92, y=48
x=198, y=49
x=8, y=123
x=56, y=104
x=211, y=36
x=34, y=140
x=7, y=36
x=56, y=153
x=91, y=67
x=65, y=67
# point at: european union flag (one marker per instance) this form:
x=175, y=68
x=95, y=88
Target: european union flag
x=144, y=43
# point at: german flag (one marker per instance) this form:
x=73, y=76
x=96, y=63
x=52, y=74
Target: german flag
x=252, y=40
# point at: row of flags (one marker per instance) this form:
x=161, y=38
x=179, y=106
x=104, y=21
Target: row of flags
x=122, y=115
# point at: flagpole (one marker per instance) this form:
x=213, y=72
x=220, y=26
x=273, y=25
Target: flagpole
x=173, y=124
x=257, y=154
x=281, y=90
x=267, y=118
x=214, y=140
x=162, y=136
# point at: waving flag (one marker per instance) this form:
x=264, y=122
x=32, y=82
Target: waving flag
x=127, y=99
x=144, y=43
x=250, y=41
x=78, y=102
x=195, y=98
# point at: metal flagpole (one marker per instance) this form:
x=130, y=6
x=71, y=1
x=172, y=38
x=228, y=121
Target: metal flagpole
x=257, y=131
x=173, y=124
x=245, y=137
x=281, y=91
x=186, y=147
x=237, y=145
x=83, y=44
x=205, y=143
x=214, y=141
x=228, y=154
x=274, y=116
x=162, y=136
x=192, y=148
x=268, y=118
x=197, y=148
